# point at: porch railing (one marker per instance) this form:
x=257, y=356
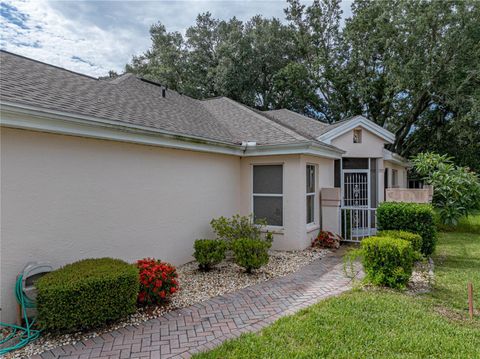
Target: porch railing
x=357, y=223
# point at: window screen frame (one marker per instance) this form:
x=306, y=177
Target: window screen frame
x=278, y=195
x=311, y=194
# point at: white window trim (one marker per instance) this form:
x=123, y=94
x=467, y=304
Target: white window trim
x=314, y=194
x=273, y=228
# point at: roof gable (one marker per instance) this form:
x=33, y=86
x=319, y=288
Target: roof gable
x=340, y=128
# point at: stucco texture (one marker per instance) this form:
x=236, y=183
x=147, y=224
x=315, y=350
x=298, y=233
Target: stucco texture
x=402, y=181
x=370, y=146
x=65, y=198
x=295, y=234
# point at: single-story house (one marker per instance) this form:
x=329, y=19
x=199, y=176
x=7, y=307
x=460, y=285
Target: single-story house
x=127, y=168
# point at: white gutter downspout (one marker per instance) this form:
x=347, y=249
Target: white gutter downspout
x=248, y=144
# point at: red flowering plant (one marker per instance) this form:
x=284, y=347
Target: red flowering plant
x=158, y=281
x=326, y=239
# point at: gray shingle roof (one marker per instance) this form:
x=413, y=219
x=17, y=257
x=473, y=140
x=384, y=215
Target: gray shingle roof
x=130, y=101
x=304, y=125
x=245, y=123
x=134, y=101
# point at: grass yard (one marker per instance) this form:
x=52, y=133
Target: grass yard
x=469, y=224
x=383, y=323
x=457, y=262
x=357, y=325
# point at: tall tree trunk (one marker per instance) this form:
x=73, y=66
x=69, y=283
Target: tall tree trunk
x=420, y=106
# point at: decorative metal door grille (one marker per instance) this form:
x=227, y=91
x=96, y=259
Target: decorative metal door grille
x=357, y=218
x=355, y=189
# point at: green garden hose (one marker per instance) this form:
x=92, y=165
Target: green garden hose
x=22, y=335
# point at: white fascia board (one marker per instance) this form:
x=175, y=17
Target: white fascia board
x=395, y=158
x=51, y=121
x=28, y=118
x=354, y=123
x=307, y=148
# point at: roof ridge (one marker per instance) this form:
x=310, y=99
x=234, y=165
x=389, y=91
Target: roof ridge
x=119, y=78
x=50, y=65
x=212, y=98
x=300, y=115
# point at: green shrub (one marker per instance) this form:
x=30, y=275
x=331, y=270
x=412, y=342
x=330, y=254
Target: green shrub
x=209, y=252
x=86, y=294
x=412, y=217
x=387, y=261
x=456, y=189
x=238, y=227
x=250, y=253
x=414, y=238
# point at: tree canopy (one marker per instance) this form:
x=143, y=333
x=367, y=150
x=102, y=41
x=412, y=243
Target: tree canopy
x=412, y=66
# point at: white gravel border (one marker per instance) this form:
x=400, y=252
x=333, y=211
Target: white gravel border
x=195, y=286
x=423, y=277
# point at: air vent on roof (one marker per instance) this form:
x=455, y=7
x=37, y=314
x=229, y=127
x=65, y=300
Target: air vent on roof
x=164, y=92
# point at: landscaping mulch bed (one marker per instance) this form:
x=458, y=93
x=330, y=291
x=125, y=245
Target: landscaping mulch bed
x=195, y=286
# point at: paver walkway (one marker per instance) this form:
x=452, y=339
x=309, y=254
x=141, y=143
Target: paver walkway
x=180, y=333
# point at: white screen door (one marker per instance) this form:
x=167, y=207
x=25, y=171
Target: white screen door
x=356, y=212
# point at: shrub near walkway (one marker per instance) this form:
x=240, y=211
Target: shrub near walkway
x=382, y=323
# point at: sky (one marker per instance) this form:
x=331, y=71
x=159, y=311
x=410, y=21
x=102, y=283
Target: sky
x=93, y=37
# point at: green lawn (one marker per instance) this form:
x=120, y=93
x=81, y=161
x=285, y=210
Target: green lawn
x=469, y=224
x=457, y=262
x=382, y=323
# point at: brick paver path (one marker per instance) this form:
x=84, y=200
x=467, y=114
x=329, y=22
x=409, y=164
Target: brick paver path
x=180, y=333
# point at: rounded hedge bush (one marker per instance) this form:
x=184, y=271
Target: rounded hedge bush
x=412, y=217
x=251, y=253
x=86, y=294
x=414, y=238
x=387, y=261
x=209, y=252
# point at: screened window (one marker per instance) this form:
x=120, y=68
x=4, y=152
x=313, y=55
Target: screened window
x=350, y=163
x=310, y=194
x=268, y=194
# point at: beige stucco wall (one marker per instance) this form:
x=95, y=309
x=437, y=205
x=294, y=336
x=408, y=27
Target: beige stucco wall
x=324, y=176
x=65, y=198
x=289, y=236
x=402, y=174
x=295, y=233
x=371, y=145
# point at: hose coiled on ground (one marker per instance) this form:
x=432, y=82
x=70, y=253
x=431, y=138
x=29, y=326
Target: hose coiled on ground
x=25, y=335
